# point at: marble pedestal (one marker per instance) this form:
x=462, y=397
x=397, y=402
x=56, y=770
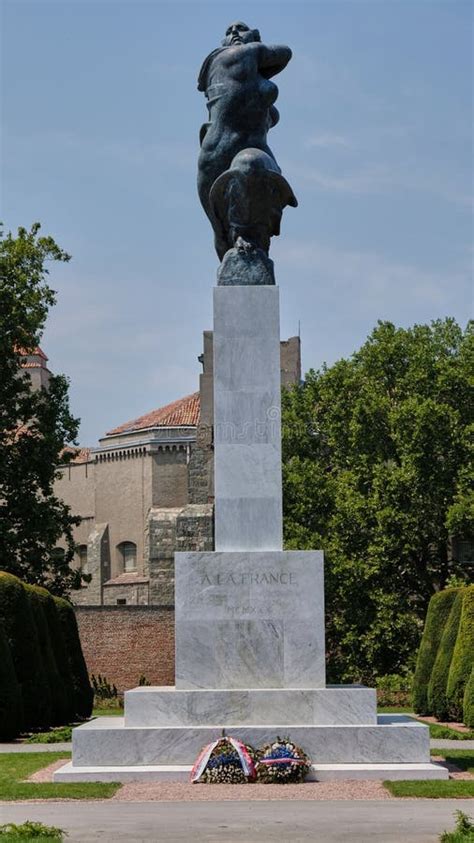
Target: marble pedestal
x=250, y=620
x=249, y=616
x=247, y=419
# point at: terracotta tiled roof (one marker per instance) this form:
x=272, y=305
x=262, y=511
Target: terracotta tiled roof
x=35, y=352
x=79, y=454
x=185, y=411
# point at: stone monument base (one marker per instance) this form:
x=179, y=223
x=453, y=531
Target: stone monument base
x=106, y=749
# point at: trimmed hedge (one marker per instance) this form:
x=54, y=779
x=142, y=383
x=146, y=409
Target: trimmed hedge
x=38, y=598
x=438, y=684
x=468, y=707
x=463, y=656
x=83, y=692
x=22, y=636
x=60, y=654
x=43, y=676
x=438, y=612
x=11, y=704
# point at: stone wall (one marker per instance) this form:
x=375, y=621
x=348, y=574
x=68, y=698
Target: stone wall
x=123, y=643
x=169, y=529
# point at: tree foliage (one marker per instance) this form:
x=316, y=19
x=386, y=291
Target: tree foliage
x=35, y=425
x=376, y=455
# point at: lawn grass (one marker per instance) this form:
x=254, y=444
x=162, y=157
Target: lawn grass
x=462, y=758
x=17, y=766
x=58, y=735
x=107, y=712
x=394, y=709
x=445, y=733
x=432, y=789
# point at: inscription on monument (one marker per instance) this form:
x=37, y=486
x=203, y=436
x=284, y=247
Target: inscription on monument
x=250, y=578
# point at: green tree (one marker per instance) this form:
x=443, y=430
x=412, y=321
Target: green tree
x=375, y=453
x=35, y=425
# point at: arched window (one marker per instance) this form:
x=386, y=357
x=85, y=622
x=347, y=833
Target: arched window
x=128, y=556
x=82, y=557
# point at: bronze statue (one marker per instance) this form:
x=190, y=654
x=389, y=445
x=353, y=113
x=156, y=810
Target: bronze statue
x=240, y=184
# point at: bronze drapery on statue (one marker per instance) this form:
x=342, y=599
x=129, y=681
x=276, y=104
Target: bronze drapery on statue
x=240, y=184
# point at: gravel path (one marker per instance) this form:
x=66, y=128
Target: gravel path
x=46, y=773
x=183, y=792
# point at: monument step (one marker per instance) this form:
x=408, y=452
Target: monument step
x=107, y=742
x=319, y=772
x=330, y=706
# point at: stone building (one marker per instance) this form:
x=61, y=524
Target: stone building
x=147, y=491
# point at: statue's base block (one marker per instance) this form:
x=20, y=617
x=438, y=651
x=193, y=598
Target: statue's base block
x=319, y=772
x=250, y=620
x=107, y=750
x=335, y=705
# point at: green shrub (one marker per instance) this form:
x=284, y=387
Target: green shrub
x=464, y=830
x=468, y=706
x=463, y=656
x=103, y=690
x=31, y=831
x=83, y=692
x=438, y=684
x=394, y=689
x=11, y=704
x=60, y=655
x=63, y=734
x=56, y=695
x=436, y=617
x=22, y=636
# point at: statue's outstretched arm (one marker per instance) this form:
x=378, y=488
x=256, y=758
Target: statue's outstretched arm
x=272, y=59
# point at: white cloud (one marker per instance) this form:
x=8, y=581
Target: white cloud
x=327, y=140
x=372, y=282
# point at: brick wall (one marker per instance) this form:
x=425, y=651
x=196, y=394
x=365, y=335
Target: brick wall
x=125, y=642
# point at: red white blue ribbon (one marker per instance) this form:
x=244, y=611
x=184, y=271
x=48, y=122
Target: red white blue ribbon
x=245, y=759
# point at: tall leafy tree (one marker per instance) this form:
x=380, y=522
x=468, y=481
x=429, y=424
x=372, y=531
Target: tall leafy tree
x=35, y=425
x=376, y=473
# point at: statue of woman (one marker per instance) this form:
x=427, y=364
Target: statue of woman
x=239, y=182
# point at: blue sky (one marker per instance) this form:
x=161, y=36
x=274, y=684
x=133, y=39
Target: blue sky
x=100, y=140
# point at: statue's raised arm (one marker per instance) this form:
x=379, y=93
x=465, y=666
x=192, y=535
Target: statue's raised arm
x=240, y=184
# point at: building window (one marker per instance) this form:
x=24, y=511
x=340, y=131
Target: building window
x=128, y=556
x=121, y=601
x=82, y=557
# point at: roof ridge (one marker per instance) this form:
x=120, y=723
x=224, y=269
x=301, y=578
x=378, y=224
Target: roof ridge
x=183, y=411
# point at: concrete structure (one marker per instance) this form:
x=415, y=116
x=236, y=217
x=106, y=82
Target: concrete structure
x=147, y=491
x=249, y=622
x=35, y=364
x=247, y=419
x=250, y=619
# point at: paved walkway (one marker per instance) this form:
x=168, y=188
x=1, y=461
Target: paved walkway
x=440, y=744
x=392, y=821
x=35, y=747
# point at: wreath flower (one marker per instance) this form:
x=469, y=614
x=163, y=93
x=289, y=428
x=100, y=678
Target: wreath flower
x=281, y=762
